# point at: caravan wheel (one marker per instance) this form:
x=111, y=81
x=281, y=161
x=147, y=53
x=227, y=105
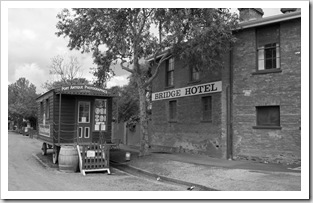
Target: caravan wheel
x=55, y=154
x=44, y=149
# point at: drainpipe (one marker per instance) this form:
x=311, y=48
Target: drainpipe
x=229, y=97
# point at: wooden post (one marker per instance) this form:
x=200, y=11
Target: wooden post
x=60, y=101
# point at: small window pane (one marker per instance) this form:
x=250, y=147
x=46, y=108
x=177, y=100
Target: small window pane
x=86, y=132
x=207, y=108
x=269, y=63
x=170, y=72
x=268, y=115
x=173, y=110
x=80, y=132
x=261, y=53
x=261, y=64
x=277, y=62
x=83, y=112
x=47, y=109
x=195, y=74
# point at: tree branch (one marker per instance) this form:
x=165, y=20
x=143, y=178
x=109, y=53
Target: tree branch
x=164, y=58
x=126, y=67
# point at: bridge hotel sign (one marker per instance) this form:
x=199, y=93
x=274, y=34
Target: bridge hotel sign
x=211, y=87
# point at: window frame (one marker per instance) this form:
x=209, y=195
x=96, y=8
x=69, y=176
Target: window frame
x=192, y=72
x=260, y=125
x=85, y=130
x=89, y=118
x=105, y=113
x=170, y=113
x=80, y=132
x=210, y=111
x=42, y=112
x=47, y=109
x=169, y=70
x=258, y=48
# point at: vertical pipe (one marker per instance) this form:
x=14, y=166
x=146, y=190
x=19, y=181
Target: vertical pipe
x=60, y=102
x=229, y=108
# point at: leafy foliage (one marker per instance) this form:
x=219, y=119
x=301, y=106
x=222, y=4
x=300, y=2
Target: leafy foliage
x=199, y=36
x=22, y=101
x=126, y=105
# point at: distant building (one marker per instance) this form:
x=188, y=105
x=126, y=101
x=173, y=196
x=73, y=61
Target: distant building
x=248, y=109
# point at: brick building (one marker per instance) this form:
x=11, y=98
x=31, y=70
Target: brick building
x=266, y=87
x=248, y=109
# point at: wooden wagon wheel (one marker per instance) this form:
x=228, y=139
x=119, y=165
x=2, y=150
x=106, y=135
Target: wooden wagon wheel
x=55, y=154
x=44, y=149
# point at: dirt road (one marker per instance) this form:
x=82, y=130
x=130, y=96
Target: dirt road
x=26, y=173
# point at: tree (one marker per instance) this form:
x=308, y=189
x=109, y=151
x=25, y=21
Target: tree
x=125, y=106
x=67, y=70
x=76, y=81
x=22, y=101
x=199, y=36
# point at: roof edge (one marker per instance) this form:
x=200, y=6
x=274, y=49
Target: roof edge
x=269, y=20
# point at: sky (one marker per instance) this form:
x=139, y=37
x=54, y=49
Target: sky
x=32, y=43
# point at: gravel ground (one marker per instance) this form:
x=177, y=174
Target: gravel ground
x=27, y=173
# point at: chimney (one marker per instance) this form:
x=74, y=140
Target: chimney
x=247, y=14
x=289, y=10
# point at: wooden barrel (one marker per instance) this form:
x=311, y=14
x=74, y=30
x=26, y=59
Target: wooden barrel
x=68, y=159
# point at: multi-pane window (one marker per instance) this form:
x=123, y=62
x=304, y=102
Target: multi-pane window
x=47, y=109
x=100, y=114
x=268, y=47
x=268, y=56
x=207, y=108
x=170, y=72
x=83, y=112
x=172, y=110
x=194, y=74
x=268, y=116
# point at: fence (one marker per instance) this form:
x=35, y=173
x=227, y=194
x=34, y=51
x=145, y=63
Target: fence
x=129, y=136
x=94, y=157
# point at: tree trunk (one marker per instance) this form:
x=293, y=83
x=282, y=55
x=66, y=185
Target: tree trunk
x=144, y=139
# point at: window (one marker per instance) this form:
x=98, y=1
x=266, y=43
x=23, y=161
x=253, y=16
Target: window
x=172, y=110
x=47, y=109
x=268, y=48
x=86, y=132
x=80, y=132
x=207, y=108
x=83, y=112
x=170, y=72
x=194, y=74
x=41, y=109
x=268, y=116
x=100, y=114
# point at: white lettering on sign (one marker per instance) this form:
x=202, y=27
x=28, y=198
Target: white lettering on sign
x=188, y=91
x=83, y=87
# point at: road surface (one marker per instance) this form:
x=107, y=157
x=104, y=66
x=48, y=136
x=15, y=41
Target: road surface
x=28, y=173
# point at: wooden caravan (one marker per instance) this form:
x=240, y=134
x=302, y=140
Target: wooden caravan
x=73, y=115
